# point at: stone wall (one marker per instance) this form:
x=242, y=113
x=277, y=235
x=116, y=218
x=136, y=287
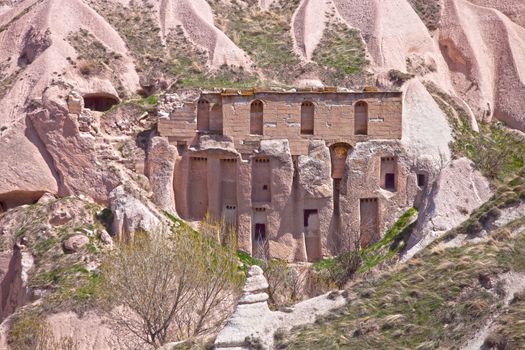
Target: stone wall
x=293, y=193
x=249, y=118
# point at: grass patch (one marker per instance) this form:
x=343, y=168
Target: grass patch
x=341, y=53
x=434, y=301
x=264, y=35
x=391, y=243
x=509, y=328
x=30, y=330
x=340, y=269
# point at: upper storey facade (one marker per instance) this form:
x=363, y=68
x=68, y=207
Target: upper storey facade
x=249, y=116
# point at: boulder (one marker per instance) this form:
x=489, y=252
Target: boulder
x=106, y=238
x=131, y=213
x=46, y=198
x=74, y=155
x=253, y=319
x=75, y=102
x=74, y=243
x=60, y=217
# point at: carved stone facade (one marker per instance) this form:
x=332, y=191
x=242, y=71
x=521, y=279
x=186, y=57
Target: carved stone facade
x=302, y=175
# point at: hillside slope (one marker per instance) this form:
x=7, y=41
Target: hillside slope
x=450, y=296
x=471, y=49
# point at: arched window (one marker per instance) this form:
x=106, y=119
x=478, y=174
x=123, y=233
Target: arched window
x=361, y=118
x=203, y=115
x=256, y=118
x=216, y=119
x=307, y=118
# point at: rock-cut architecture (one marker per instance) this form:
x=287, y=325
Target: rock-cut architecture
x=301, y=174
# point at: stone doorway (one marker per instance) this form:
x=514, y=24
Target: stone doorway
x=312, y=238
x=259, y=241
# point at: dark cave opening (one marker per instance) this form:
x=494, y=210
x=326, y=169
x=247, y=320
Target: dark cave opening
x=100, y=102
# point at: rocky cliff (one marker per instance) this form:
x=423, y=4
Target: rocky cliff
x=84, y=82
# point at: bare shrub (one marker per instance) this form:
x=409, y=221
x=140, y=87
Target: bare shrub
x=284, y=283
x=171, y=287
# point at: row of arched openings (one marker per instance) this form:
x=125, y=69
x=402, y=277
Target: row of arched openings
x=257, y=117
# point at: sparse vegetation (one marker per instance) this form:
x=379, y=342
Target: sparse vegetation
x=31, y=331
x=136, y=25
x=178, y=63
x=496, y=151
x=7, y=80
x=65, y=278
x=94, y=58
x=437, y=300
x=189, y=66
x=429, y=11
x=284, y=283
x=264, y=35
x=341, y=53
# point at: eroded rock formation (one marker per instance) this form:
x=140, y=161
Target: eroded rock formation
x=441, y=209
x=254, y=323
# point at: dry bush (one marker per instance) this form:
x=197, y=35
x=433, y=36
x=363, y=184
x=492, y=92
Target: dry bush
x=176, y=286
x=87, y=67
x=31, y=331
x=284, y=283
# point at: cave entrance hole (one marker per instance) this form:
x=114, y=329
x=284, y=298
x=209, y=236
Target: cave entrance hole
x=100, y=102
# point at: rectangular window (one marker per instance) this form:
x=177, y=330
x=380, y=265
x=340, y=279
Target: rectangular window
x=308, y=213
x=421, y=180
x=388, y=173
x=390, y=181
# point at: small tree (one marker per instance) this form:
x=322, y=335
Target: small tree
x=171, y=286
